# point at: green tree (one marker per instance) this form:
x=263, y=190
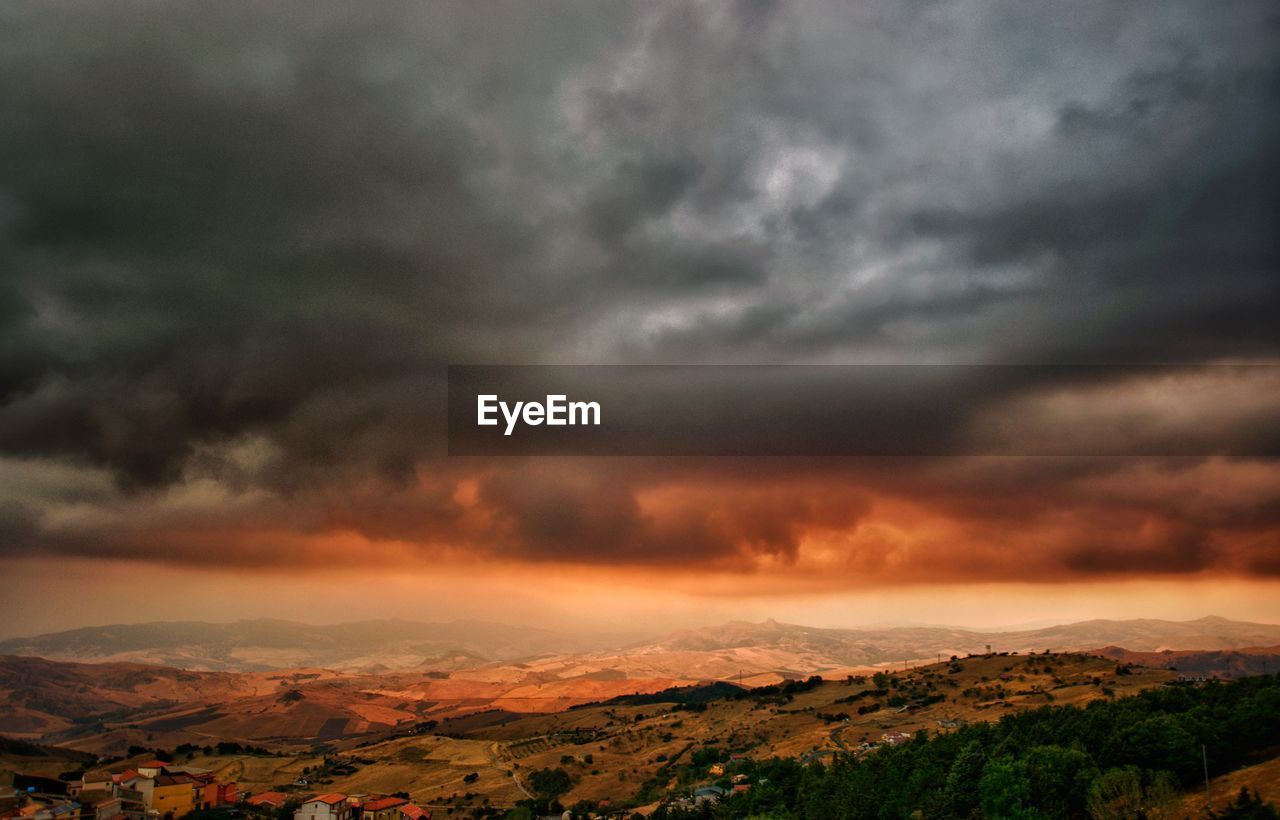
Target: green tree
x=1160, y=742
x=1059, y=779
x=1116, y=794
x=550, y=783
x=961, y=796
x=1006, y=790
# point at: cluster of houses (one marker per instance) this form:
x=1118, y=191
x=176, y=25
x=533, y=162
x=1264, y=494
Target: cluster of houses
x=150, y=789
x=156, y=790
x=358, y=807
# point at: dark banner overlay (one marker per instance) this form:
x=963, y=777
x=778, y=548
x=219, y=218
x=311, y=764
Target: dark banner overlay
x=865, y=410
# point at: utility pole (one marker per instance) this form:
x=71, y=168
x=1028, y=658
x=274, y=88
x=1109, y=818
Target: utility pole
x=1204, y=755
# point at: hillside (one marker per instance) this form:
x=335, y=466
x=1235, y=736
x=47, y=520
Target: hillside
x=625, y=748
x=510, y=653
x=613, y=749
x=266, y=644
x=886, y=645
x=1131, y=757
x=1262, y=779
x=108, y=707
x=1227, y=663
x=41, y=761
x=46, y=698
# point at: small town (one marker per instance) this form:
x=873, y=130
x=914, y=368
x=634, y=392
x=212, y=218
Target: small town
x=164, y=790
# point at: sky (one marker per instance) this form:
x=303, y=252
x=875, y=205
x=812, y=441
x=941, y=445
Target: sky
x=240, y=243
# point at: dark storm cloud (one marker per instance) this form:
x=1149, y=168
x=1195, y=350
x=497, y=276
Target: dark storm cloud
x=240, y=242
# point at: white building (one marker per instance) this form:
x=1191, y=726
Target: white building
x=323, y=807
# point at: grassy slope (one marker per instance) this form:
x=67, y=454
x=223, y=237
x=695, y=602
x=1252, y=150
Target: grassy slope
x=630, y=742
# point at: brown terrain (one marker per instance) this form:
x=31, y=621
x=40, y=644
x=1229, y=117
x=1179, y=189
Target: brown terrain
x=423, y=730
x=107, y=707
x=507, y=652
x=611, y=749
x=1263, y=778
x=1223, y=663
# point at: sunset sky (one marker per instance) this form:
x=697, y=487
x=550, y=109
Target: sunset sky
x=240, y=244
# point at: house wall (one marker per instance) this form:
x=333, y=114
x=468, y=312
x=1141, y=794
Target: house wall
x=176, y=800
x=315, y=810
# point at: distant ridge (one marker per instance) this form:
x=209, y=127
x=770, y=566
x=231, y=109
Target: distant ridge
x=872, y=646
x=263, y=644
x=388, y=645
x=1213, y=663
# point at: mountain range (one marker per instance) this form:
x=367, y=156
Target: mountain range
x=372, y=647
x=286, y=683
x=265, y=644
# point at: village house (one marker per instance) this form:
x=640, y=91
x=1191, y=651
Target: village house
x=153, y=788
x=173, y=795
x=150, y=768
x=383, y=808
x=209, y=793
x=103, y=804
x=708, y=794
x=323, y=807
x=275, y=800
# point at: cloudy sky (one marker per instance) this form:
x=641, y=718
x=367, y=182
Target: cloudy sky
x=240, y=243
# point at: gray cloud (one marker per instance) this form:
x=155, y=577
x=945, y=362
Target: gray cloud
x=236, y=222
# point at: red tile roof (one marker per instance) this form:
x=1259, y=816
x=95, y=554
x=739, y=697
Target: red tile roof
x=415, y=813
x=174, y=779
x=152, y=764
x=270, y=798
x=384, y=803
x=328, y=798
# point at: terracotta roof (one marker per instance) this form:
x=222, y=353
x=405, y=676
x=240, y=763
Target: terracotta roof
x=384, y=803
x=415, y=812
x=88, y=796
x=151, y=764
x=126, y=776
x=328, y=798
x=272, y=798
x=174, y=779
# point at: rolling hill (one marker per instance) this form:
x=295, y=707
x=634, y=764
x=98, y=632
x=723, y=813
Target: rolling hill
x=613, y=748
x=503, y=652
x=265, y=644
x=1214, y=663
x=874, y=646
x=109, y=706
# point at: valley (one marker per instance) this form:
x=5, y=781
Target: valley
x=622, y=724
